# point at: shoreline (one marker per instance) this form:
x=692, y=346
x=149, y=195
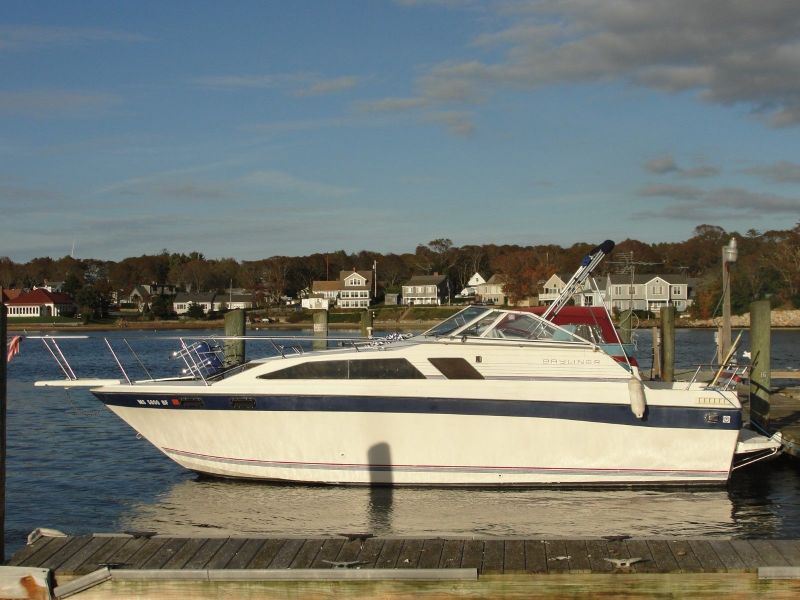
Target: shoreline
x=220, y=324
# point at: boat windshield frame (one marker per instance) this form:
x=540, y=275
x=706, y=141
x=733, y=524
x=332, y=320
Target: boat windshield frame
x=496, y=324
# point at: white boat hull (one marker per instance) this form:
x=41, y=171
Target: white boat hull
x=341, y=447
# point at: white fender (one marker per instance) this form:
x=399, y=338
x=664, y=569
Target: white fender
x=636, y=394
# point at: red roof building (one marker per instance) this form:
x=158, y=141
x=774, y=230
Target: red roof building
x=40, y=303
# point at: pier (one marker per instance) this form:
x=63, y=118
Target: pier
x=146, y=565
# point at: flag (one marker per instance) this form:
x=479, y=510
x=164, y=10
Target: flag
x=13, y=347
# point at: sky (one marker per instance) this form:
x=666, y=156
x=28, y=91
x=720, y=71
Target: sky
x=250, y=129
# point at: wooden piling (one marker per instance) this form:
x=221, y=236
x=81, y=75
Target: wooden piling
x=656, y=368
x=625, y=326
x=3, y=398
x=760, y=377
x=234, y=326
x=320, y=329
x=366, y=323
x=668, y=343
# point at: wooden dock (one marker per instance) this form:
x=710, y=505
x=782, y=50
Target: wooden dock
x=165, y=567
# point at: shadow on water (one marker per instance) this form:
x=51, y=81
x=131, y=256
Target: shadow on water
x=379, y=458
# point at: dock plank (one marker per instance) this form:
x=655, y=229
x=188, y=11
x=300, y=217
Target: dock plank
x=307, y=553
x=69, y=566
x=148, y=549
x=185, y=554
x=102, y=555
x=410, y=554
x=45, y=552
x=661, y=553
x=514, y=556
x=390, y=552
x=224, y=555
x=205, y=553
x=370, y=551
x=245, y=553
x=285, y=555
x=452, y=551
x=535, y=556
x=557, y=556
x=163, y=554
x=769, y=554
x=472, y=556
x=709, y=561
x=265, y=554
x=578, y=556
x=431, y=553
x=640, y=549
x=74, y=544
x=26, y=554
x=493, y=556
x=789, y=549
x=728, y=555
x=687, y=561
x=327, y=553
x=350, y=550
x=750, y=557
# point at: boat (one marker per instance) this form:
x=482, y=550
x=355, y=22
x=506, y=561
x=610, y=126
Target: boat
x=488, y=397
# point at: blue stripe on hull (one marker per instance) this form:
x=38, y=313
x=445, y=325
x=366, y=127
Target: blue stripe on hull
x=617, y=414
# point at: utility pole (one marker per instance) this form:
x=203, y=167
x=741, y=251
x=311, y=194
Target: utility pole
x=729, y=255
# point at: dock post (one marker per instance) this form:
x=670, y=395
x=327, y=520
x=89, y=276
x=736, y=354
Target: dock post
x=234, y=326
x=366, y=323
x=3, y=398
x=320, y=329
x=668, y=343
x=655, y=370
x=760, y=377
x=625, y=321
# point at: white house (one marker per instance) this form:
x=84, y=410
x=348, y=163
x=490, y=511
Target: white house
x=471, y=289
x=492, y=291
x=353, y=289
x=40, y=303
x=209, y=302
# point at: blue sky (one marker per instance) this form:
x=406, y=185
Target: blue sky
x=253, y=129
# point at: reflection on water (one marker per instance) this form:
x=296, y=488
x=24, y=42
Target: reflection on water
x=232, y=507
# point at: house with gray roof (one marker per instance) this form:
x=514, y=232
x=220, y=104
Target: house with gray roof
x=648, y=292
x=426, y=290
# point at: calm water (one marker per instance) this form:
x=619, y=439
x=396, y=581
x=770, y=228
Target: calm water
x=74, y=466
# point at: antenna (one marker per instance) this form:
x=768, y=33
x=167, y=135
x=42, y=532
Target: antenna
x=72, y=254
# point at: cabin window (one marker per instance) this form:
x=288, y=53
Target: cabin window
x=384, y=368
x=455, y=368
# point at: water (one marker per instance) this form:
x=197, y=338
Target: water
x=74, y=466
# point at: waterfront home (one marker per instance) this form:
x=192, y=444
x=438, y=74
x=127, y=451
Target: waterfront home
x=470, y=291
x=208, y=301
x=40, y=303
x=648, y=292
x=426, y=289
x=591, y=292
x=492, y=291
x=353, y=289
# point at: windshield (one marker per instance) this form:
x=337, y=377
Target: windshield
x=457, y=321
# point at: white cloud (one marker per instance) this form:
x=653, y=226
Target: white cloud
x=280, y=181
x=34, y=37
x=56, y=103
x=328, y=86
x=731, y=52
x=665, y=165
x=780, y=172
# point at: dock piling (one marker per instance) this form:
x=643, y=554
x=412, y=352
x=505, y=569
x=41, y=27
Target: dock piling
x=3, y=398
x=668, y=343
x=234, y=326
x=320, y=329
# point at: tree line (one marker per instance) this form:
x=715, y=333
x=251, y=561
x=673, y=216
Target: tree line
x=768, y=267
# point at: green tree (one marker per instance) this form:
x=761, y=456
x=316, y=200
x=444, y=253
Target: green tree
x=160, y=306
x=195, y=311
